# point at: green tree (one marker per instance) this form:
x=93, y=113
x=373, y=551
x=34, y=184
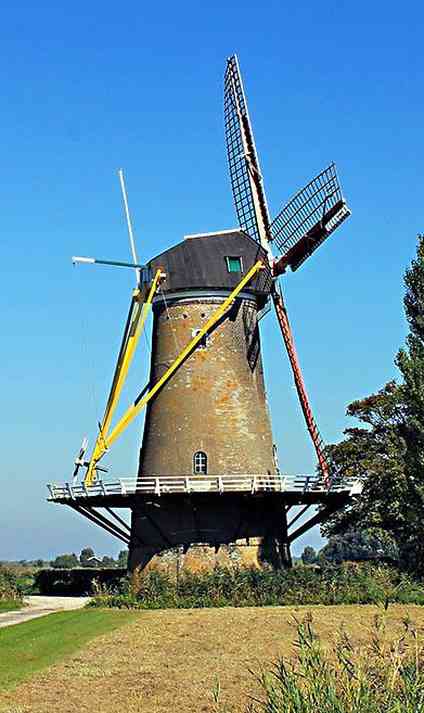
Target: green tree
x=387, y=450
x=410, y=361
x=357, y=546
x=85, y=556
x=123, y=558
x=308, y=556
x=108, y=561
x=65, y=562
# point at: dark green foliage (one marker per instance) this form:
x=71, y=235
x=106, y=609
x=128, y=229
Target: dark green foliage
x=108, y=561
x=85, y=556
x=347, y=584
x=79, y=581
x=309, y=556
x=387, y=450
x=357, y=546
x=66, y=562
x=123, y=558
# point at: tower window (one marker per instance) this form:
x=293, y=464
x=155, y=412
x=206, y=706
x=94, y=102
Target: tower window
x=200, y=463
x=234, y=264
x=204, y=342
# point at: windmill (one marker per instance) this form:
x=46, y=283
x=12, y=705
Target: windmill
x=209, y=488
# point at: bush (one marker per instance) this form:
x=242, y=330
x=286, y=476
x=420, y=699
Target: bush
x=9, y=586
x=79, y=581
x=345, y=584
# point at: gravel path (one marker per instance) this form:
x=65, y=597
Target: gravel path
x=36, y=606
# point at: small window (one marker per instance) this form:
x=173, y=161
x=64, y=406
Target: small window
x=204, y=342
x=200, y=463
x=234, y=264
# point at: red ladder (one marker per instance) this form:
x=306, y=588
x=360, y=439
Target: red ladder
x=286, y=331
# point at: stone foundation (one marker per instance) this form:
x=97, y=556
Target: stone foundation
x=204, y=558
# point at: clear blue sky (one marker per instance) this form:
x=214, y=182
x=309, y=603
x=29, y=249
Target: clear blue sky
x=90, y=87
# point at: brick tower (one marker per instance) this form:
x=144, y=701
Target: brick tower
x=211, y=418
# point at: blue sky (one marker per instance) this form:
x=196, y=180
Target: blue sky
x=89, y=88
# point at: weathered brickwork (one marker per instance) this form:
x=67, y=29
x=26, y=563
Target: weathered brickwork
x=214, y=403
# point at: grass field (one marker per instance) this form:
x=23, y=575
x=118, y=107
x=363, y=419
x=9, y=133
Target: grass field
x=31, y=646
x=166, y=660
x=10, y=605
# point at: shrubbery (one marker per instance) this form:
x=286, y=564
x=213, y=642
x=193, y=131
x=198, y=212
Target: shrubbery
x=345, y=584
x=79, y=581
x=9, y=587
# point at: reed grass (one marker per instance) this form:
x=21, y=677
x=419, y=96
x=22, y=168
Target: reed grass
x=10, y=593
x=385, y=675
x=346, y=584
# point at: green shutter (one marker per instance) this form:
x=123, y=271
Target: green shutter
x=234, y=264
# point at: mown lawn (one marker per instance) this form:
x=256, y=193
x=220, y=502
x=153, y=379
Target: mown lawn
x=174, y=660
x=31, y=646
x=10, y=605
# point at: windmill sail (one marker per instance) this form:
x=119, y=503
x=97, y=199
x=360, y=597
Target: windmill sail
x=308, y=219
x=245, y=173
x=252, y=212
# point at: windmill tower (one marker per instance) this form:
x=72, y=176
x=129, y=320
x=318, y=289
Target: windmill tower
x=212, y=419
x=209, y=488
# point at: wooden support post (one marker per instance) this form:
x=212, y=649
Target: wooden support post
x=286, y=557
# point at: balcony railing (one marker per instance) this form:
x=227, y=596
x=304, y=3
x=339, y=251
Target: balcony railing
x=169, y=484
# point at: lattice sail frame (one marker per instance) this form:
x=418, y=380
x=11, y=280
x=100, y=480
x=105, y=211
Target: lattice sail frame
x=242, y=156
x=309, y=218
x=306, y=220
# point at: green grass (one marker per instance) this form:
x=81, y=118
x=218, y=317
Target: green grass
x=31, y=646
x=10, y=604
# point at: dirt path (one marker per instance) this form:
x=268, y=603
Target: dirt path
x=36, y=606
x=171, y=660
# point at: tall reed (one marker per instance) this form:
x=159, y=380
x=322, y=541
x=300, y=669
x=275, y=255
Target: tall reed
x=382, y=676
x=345, y=584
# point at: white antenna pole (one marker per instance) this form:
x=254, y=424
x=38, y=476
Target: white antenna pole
x=128, y=217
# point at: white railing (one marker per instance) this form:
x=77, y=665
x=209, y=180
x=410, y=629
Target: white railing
x=169, y=484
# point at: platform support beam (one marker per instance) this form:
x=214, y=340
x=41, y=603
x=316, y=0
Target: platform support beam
x=109, y=526
x=319, y=517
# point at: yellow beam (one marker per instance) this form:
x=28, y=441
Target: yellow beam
x=135, y=330
x=135, y=409
x=135, y=333
x=134, y=314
